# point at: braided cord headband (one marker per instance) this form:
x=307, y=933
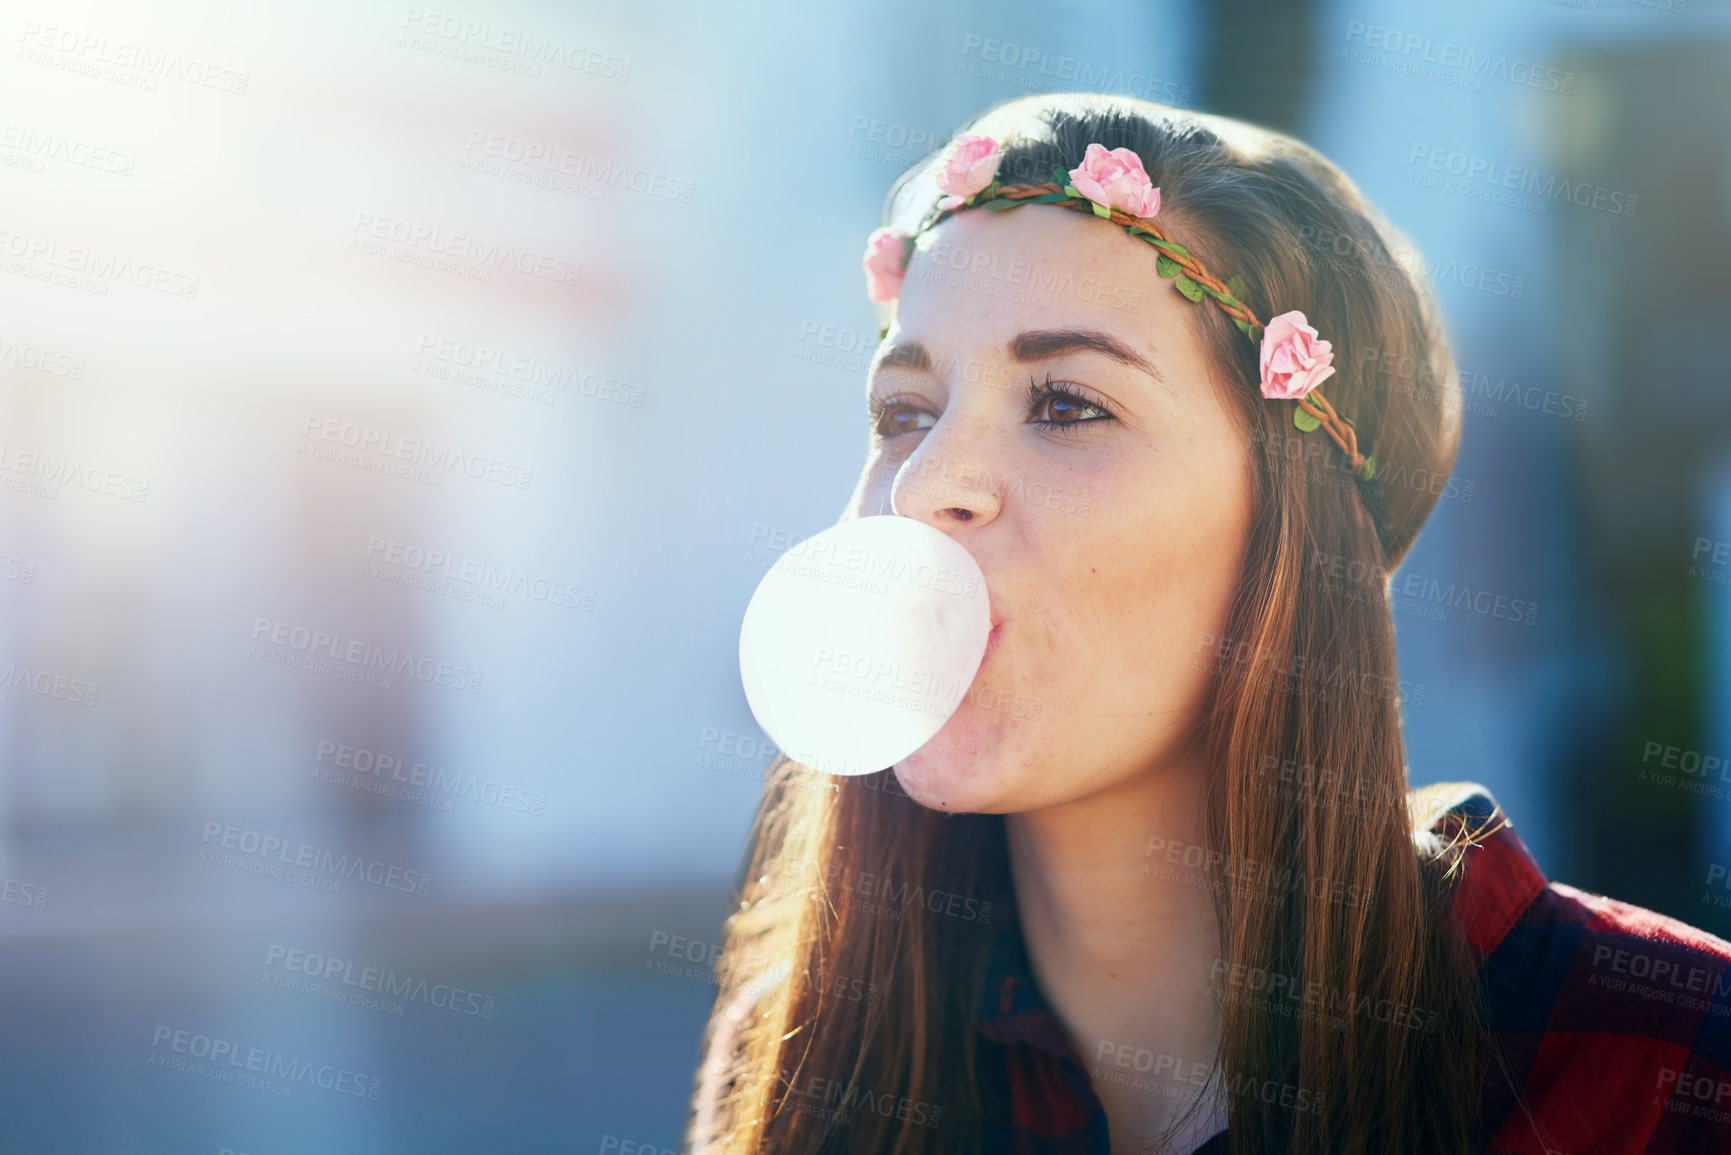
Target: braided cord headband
x=1113, y=185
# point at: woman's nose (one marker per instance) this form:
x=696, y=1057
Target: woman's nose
x=948, y=479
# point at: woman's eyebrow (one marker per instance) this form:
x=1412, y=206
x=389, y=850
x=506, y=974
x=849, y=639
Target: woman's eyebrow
x=1039, y=344
x=903, y=355
x=1032, y=345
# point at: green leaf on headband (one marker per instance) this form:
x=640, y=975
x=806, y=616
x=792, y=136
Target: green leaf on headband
x=1243, y=325
x=1101, y=210
x=1235, y=286
x=1166, y=266
x=1302, y=418
x=1368, y=469
x=1044, y=199
x=998, y=204
x=1255, y=332
x=1189, y=288
x=1060, y=176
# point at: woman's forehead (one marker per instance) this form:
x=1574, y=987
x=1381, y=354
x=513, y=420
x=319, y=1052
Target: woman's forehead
x=986, y=278
x=1063, y=239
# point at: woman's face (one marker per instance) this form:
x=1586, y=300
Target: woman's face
x=1109, y=513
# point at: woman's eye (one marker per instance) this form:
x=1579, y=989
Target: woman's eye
x=1055, y=406
x=1050, y=406
x=1065, y=408
x=893, y=418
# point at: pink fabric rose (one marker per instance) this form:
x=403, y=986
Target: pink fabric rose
x=886, y=256
x=970, y=164
x=1294, y=361
x=1116, y=179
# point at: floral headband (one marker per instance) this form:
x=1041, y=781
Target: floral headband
x=1114, y=186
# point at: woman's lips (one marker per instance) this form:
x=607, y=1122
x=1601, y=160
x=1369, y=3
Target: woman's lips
x=996, y=615
x=997, y=619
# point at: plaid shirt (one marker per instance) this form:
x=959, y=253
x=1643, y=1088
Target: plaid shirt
x=1616, y=1020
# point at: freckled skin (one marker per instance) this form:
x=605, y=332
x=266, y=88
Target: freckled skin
x=1103, y=609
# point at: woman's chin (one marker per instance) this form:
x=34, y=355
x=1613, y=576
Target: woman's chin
x=957, y=769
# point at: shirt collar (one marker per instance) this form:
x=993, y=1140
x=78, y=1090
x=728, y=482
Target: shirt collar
x=1499, y=879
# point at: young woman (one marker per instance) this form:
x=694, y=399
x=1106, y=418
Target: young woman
x=1159, y=883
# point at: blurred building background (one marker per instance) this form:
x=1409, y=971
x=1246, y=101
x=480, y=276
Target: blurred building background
x=398, y=407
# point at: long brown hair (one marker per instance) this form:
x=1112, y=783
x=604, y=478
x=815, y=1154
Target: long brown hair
x=841, y=971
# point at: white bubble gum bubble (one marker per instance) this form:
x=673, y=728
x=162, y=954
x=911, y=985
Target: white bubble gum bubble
x=861, y=641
